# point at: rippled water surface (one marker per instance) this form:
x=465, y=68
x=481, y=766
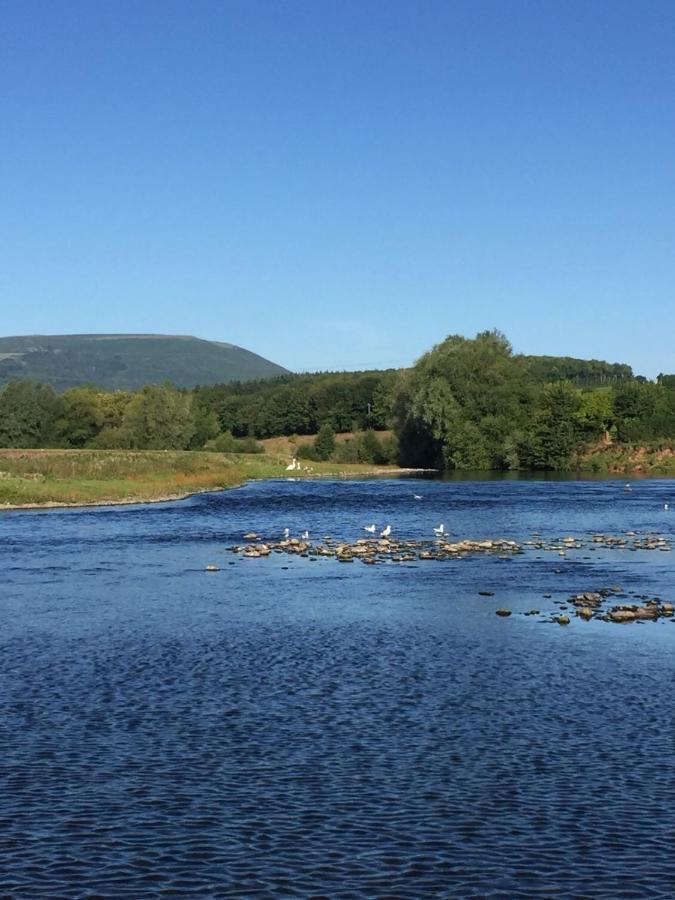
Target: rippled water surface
x=305, y=728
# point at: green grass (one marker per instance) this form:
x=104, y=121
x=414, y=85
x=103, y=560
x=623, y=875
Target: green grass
x=80, y=477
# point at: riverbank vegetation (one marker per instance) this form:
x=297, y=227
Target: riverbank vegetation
x=473, y=404
x=466, y=404
x=83, y=477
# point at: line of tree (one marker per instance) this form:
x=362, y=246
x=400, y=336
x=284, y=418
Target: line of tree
x=473, y=404
x=158, y=417
x=301, y=404
x=466, y=404
x=580, y=372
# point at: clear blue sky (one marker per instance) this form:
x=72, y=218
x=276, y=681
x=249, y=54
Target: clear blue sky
x=342, y=184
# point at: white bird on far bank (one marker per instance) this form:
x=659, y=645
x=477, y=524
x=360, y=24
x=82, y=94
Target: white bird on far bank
x=292, y=466
x=386, y=532
x=370, y=529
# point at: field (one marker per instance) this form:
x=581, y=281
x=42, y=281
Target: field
x=82, y=477
x=288, y=446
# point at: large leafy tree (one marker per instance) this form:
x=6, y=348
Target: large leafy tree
x=82, y=417
x=159, y=417
x=463, y=403
x=28, y=415
x=556, y=433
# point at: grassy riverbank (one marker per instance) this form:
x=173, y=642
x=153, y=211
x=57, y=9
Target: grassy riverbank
x=628, y=459
x=82, y=477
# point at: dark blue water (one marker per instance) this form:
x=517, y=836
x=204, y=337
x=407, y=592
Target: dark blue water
x=290, y=727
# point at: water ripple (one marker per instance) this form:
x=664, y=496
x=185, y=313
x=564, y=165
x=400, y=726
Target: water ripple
x=307, y=731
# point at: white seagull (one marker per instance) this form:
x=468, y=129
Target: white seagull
x=370, y=529
x=417, y=496
x=386, y=532
x=287, y=533
x=305, y=535
x=292, y=466
x=440, y=531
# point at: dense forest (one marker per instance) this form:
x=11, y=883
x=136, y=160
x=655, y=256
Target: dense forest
x=466, y=404
x=473, y=404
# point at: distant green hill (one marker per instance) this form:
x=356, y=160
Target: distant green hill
x=128, y=361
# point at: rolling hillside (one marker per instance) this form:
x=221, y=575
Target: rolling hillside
x=128, y=361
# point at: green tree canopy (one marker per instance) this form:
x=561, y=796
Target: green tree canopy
x=324, y=443
x=82, y=417
x=463, y=401
x=28, y=414
x=159, y=417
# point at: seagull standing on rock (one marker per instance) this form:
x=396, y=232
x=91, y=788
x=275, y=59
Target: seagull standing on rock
x=386, y=532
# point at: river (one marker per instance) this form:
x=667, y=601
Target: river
x=289, y=726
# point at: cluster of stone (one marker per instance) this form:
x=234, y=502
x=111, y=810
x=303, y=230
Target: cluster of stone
x=587, y=604
x=631, y=540
x=650, y=611
x=590, y=605
x=560, y=544
x=373, y=550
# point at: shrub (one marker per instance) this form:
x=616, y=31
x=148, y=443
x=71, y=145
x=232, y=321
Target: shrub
x=306, y=451
x=346, y=452
x=374, y=450
x=389, y=449
x=324, y=442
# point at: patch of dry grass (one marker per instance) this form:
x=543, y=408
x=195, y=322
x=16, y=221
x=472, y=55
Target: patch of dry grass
x=81, y=477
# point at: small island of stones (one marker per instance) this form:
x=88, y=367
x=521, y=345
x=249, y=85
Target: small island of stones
x=598, y=603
